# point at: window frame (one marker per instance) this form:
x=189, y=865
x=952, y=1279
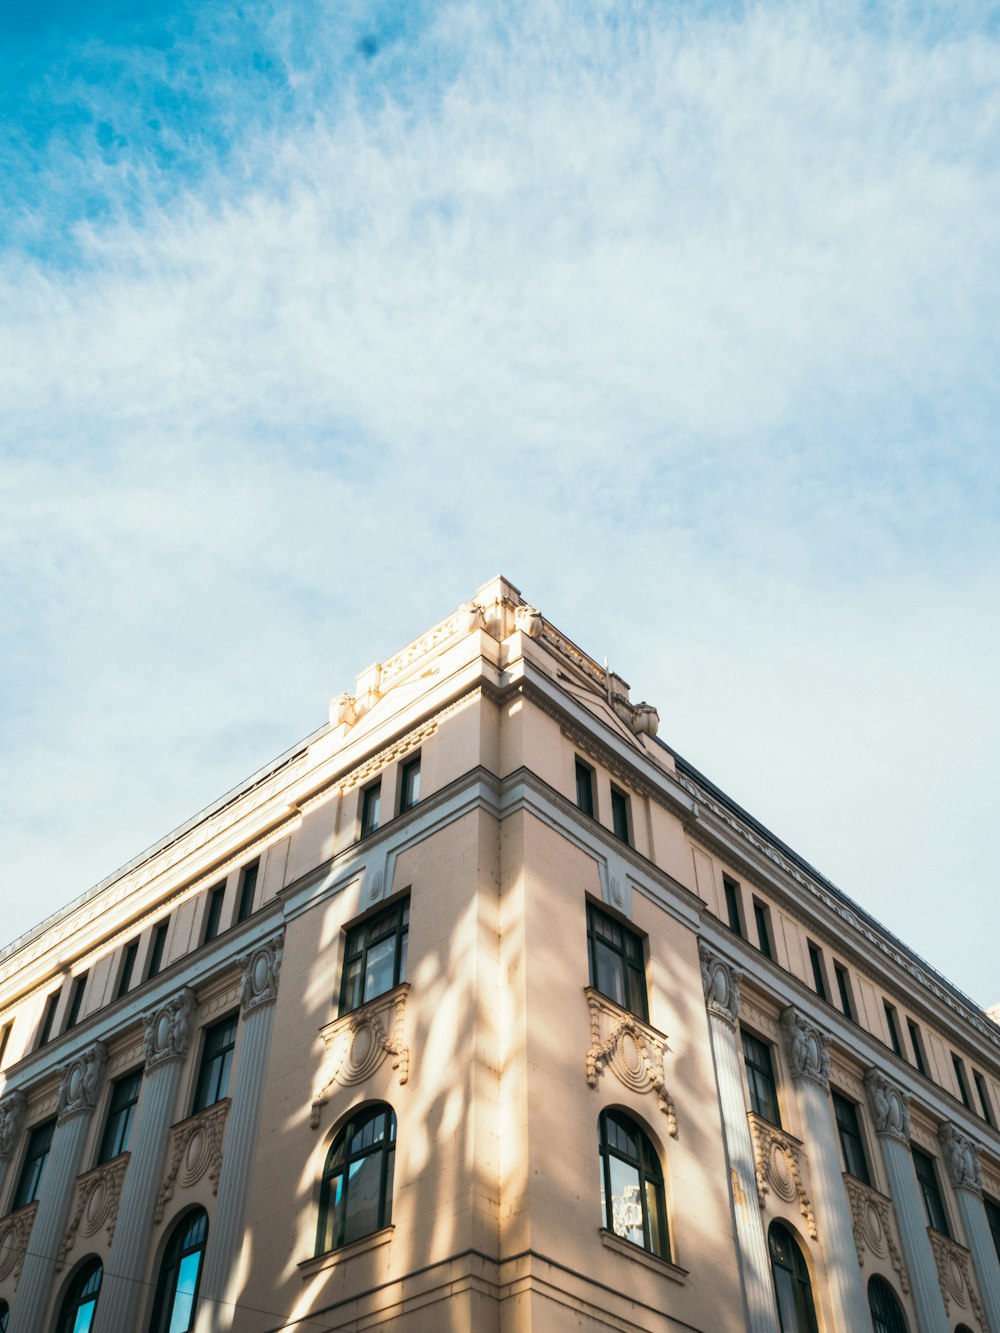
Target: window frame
x=371, y=808
x=632, y=973
x=129, y=955
x=73, y=1009
x=48, y=1018
x=991, y=1207
x=115, y=1140
x=333, y=1218
x=733, y=894
x=357, y=946
x=889, y=1319
x=29, y=1178
x=586, y=800
x=917, y=1042
x=843, y=980
x=621, y=815
x=209, y=1058
x=249, y=876
x=818, y=965
x=981, y=1088
x=157, y=948
x=848, y=1121
x=5, y=1034
x=174, y=1253
x=409, y=783
x=77, y=1297
x=961, y=1078
x=760, y=1074
x=762, y=920
x=891, y=1015
x=212, y=927
x=646, y=1164
x=801, y=1280
x=929, y=1186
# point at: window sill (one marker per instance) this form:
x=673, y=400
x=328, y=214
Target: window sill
x=636, y=1253
x=331, y=1258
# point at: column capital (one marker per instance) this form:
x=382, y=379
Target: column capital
x=168, y=1029
x=961, y=1157
x=261, y=970
x=12, y=1110
x=890, y=1107
x=806, y=1048
x=81, y=1082
x=721, y=982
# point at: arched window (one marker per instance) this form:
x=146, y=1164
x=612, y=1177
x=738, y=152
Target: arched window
x=887, y=1314
x=792, y=1288
x=180, y=1273
x=4, y=1316
x=76, y=1314
x=356, y=1191
x=632, y=1184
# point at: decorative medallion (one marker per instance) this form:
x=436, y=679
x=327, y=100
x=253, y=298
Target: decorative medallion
x=778, y=1167
x=196, y=1151
x=358, y=1043
x=81, y=1081
x=261, y=970
x=631, y=1049
x=97, y=1197
x=167, y=1029
x=952, y=1262
x=871, y=1216
x=15, y=1229
x=721, y=982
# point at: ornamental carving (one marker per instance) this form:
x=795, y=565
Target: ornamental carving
x=961, y=1157
x=528, y=621
x=411, y=741
x=97, y=1197
x=631, y=1049
x=806, y=1048
x=778, y=1167
x=721, y=983
x=12, y=1111
x=261, y=970
x=952, y=1262
x=890, y=1107
x=195, y=1151
x=81, y=1081
x=871, y=1217
x=357, y=1044
x=167, y=1029
x=15, y=1229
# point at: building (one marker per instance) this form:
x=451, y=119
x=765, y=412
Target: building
x=482, y=1010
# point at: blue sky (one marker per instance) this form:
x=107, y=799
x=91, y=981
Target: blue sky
x=313, y=318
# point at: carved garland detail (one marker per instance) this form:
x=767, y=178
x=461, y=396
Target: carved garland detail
x=953, y=1275
x=15, y=1230
x=358, y=1043
x=871, y=1215
x=632, y=1050
x=97, y=1197
x=196, y=1151
x=778, y=1166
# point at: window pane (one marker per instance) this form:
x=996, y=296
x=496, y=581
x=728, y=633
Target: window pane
x=364, y=1179
x=610, y=980
x=187, y=1284
x=380, y=965
x=626, y=1204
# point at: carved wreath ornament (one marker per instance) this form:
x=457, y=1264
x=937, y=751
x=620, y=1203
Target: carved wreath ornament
x=632, y=1051
x=778, y=1167
x=358, y=1043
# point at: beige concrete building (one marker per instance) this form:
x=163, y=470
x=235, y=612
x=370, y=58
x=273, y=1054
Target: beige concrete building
x=482, y=1010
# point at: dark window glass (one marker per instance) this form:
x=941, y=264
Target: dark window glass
x=121, y=1112
x=619, y=814
x=76, y=1314
x=890, y=1021
x=933, y=1203
x=918, y=1047
x=851, y=1143
x=356, y=1191
x=585, y=788
x=632, y=1198
x=375, y=956
x=963, y=1086
x=732, y=891
x=213, y=914
x=617, y=968
x=844, y=988
x=887, y=1315
x=760, y=916
x=984, y=1098
x=128, y=967
x=409, y=785
x=156, y=949
x=819, y=978
x=75, y=1001
x=30, y=1180
x=48, y=1018
x=216, y=1059
x=792, y=1288
x=4, y=1316
x=8, y=1028
x=248, y=888
x=371, y=803
x=993, y=1217
x=760, y=1077
x=176, y=1301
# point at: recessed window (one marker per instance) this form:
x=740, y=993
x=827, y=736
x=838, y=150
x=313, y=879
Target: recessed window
x=632, y=1196
x=818, y=971
x=216, y=1061
x=36, y=1155
x=375, y=956
x=156, y=949
x=931, y=1192
x=248, y=890
x=984, y=1099
x=760, y=1078
x=75, y=1002
x=617, y=967
x=128, y=967
x=893, y=1026
x=121, y=1112
x=76, y=1315
x=620, y=815
x=48, y=1019
x=176, y=1301
x=961, y=1080
x=762, y=920
x=851, y=1143
x=371, y=803
x=356, y=1189
x=883, y=1304
x=792, y=1288
x=993, y=1217
x=409, y=785
x=734, y=914
x=916, y=1041
x=213, y=913
x=7, y=1029
x=844, y=990
x=585, y=788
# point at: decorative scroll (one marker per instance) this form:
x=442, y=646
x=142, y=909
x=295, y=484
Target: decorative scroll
x=167, y=1029
x=871, y=1216
x=15, y=1230
x=953, y=1275
x=196, y=1151
x=778, y=1167
x=806, y=1048
x=721, y=983
x=97, y=1197
x=358, y=1043
x=631, y=1049
x=81, y=1081
x=890, y=1107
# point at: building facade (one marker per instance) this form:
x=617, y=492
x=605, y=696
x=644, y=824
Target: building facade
x=482, y=1011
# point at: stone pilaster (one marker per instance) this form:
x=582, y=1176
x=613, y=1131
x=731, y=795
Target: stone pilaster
x=722, y=998
x=12, y=1110
x=961, y=1160
x=809, y=1063
x=78, y=1093
x=222, y=1277
x=891, y=1114
x=165, y=1042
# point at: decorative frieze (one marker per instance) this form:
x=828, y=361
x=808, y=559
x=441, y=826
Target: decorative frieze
x=871, y=1214
x=721, y=983
x=390, y=755
x=12, y=1110
x=167, y=1029
x=890, y=1107
x=81, y=1081
x=97, y=1196
x=357, y=1044
x=195, y=1151
x=778, y=1166
x=261, y=971
x=15, y=1230
x=806, y=1048
x=631, y=1049
x=961, y=1158
x=954, y=1275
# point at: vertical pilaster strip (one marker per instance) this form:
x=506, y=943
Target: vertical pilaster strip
x=891, y=1113
x=806, y=1048
x=12, y=1110
x=222, y=1275
x=722, y=998
x=78, y=1092
x=961, y=1160
x=165, y=1043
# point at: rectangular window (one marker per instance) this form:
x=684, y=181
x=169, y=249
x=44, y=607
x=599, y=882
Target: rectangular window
x=48, y=1019
x=760, y=1077
x=75, y=1002
x=733, y=913
x=819, y=976
x=617, y=966
x=216, y=1060
x=984, y=1099
x=213, y=913
x=248, y=890
x=960, y=1079
x=375, y=956
x=993, y=1217
x=156, y=949
x=893, y=1026
x=619, y=815
x=933, y=1203
x=371, y=801
x=916, y=1041
x=409, y=785
x=852, y=1145
x=121, y=1112
x=844, y=990
x=762, y=918
x=8, y=1028
x=128, y=967
x=30, y=1180
x=585, y=788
